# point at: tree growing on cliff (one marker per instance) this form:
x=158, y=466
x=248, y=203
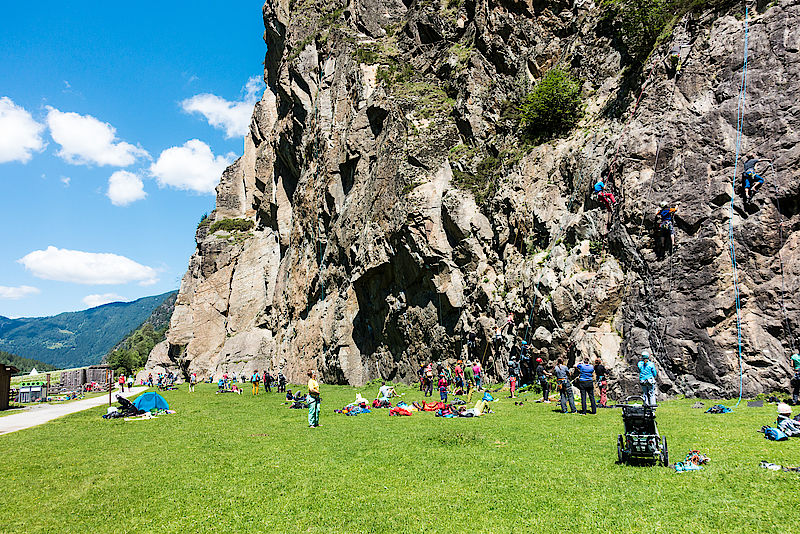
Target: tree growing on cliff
x=641, y=22
x=553, y=107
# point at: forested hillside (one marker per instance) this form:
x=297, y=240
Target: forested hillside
x=131, y=353
x=74, y=339
x=24, y=364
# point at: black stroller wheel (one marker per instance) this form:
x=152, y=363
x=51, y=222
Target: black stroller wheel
x=620, y=451
x=664, y=452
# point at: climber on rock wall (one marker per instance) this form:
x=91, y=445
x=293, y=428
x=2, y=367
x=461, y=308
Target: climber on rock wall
x=673, y=59
x=666, y=226
x=525, y=363
x=472, y=343
x=605, y=196
x=752, y=180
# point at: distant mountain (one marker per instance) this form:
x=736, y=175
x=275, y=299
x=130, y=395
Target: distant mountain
x=158, y=321
x=74, y=339
x=24, y=364
x=130, y=354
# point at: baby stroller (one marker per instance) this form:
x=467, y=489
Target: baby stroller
x=641, y=440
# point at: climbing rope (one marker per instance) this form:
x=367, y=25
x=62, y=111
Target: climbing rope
x=648, y=197
x=786, y=324
x=552, y=243
x=316, y=231
x=739, y=124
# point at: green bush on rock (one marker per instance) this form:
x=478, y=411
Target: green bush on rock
x=553, y=107
x=232, y=225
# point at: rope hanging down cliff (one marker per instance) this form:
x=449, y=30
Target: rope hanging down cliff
x=552, y=243
x=316, y=155
x=648, y=198
x=732, y=246
x=787, y=329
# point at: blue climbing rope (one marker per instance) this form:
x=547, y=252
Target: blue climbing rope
x=739, y=123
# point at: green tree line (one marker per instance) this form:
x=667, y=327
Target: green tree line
x=24, y=364
x=132, y=353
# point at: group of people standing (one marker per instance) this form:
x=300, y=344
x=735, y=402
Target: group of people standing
x=586, y=375
x=123, y=381
x=460, y=380
x=268, y=380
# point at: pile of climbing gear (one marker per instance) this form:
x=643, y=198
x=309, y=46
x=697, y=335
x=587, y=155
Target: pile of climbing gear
x=354, y=409
x=694, y=461
x=718, y=408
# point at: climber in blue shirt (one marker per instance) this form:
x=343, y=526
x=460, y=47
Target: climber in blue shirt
x=752, y=180
x=605, y=196
x=666, y=222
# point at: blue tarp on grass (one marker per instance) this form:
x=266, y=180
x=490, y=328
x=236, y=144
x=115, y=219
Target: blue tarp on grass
x=151, y=401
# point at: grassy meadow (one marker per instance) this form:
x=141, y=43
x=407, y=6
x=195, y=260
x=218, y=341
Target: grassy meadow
x=231, y=463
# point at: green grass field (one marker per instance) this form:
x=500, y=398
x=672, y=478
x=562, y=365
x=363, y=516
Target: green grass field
x=230, y=463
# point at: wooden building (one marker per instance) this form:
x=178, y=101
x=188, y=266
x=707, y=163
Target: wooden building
x=6, y=371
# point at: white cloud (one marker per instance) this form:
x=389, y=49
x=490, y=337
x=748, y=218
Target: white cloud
x=98, y=300
x=191, y=167
x=125, y=187
x=86, y=267
x=85, y=140
x=233, y=117
x=14, y=293
x=66, y=180
x=20, y=135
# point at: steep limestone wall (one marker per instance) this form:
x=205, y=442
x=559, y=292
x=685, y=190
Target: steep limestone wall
x=368, y=256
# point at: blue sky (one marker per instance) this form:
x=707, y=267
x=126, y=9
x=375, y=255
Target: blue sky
x=115, y=122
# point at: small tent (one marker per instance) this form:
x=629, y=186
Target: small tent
x=34, y=372
x=150, y=401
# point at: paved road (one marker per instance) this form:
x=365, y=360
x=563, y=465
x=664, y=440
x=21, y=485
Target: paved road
x=43, y=413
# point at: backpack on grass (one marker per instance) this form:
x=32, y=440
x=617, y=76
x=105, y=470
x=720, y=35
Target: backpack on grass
x=773, y=434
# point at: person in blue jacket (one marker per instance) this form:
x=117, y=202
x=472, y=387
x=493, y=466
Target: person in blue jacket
x=647, y=379
x=752, y=180
x=666, y=223
x=586, y=384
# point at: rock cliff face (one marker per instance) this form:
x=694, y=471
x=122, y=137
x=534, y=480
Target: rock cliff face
x=369, y=255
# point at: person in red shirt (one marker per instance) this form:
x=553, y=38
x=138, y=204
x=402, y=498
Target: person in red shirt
x=443, y=388
x=459, y=374
x=121, y=382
